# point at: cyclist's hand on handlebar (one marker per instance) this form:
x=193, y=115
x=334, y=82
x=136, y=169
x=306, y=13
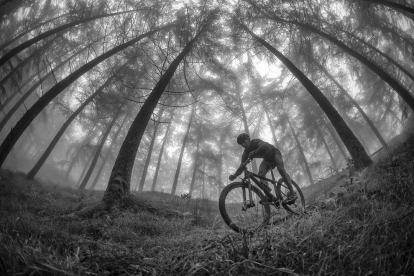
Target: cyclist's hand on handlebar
x=232, y=177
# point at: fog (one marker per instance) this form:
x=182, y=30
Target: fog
x=228, y=84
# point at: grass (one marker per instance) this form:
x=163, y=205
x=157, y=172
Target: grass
x=150, y=236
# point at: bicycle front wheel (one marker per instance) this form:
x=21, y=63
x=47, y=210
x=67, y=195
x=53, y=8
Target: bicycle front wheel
x=241, y=213
x=296, y=207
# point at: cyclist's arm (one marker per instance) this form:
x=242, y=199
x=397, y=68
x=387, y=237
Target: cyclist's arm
x=241, y=169
x=262, y=150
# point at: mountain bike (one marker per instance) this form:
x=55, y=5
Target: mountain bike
x=246, y=206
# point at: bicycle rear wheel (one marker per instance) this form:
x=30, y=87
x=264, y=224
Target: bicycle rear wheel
x=238, y=212
x=296, y=207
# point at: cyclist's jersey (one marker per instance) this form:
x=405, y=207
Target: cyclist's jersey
x=267, y=153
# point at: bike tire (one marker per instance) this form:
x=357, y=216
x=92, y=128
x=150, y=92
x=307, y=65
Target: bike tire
x=297, y=207
x=240, y=219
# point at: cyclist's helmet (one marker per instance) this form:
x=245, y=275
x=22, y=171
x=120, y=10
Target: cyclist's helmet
x=242, y=137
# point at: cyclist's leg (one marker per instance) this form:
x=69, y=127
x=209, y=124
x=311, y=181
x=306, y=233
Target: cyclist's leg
x=263, y=170
x=281, y=169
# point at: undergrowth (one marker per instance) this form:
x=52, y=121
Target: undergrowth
x=150, y=235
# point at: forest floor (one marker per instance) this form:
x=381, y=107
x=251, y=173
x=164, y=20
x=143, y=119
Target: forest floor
x=151, y=236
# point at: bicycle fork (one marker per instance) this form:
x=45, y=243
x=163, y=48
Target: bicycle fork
x=248, y=203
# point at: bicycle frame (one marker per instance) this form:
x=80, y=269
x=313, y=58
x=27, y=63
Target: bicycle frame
x=253, y=176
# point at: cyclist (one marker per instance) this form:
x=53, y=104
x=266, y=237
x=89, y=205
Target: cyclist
x=272, y=158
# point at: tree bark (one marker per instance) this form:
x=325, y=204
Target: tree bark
x=44, y=35
x=357, y=151
x=31, y=114
x=120, y=179
x=99, y=149
x=108, y=153
x=180, y=159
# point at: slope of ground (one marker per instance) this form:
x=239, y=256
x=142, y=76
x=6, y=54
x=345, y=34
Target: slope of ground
x=158, y=234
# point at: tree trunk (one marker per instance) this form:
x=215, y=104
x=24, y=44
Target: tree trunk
x=108, y=153
x=327, y=147
x=91, y=134
x=4, y=45
x=405, y=94
x=336, y=139
x=44, y=35
x=157, y=169
x=31, y=114
x=26, y=60
x=180, y=159
x=387, y=57
x=272, y=129
x=359, y=155
x=99, y=149
x=33, y=88
x=120, y=179
x=393, y=5
x=62, y=130
x=84, y=170
x=302, y=154
x=148, y=159
x=367, y=119
x=195, y=165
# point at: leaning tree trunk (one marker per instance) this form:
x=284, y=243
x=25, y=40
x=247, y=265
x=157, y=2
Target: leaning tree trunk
x=85, y=169
x=120, y=179
x=148, y=159
x=31, y=114
x=157, y=169
x=396, y=6
x=384, y=55
x=302, y=154
x=108, y=153
x=36, y=53
x=44, y=35
x=364, y=115
x=99, y=149
x=328, y=150
x=180, y=158
x=4, y=45
x=404, y=93
x=336, y=139
x=15, y=93
x=357, y=151
x=33, y=88
x=41, y=161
